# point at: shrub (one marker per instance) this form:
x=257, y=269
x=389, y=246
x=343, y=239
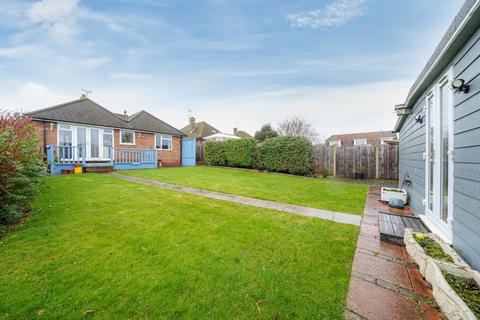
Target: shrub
x=215, y=153
x=20, y=166
x=266, y=132
x=292, y=155
x=240, y=153
x=321, y=171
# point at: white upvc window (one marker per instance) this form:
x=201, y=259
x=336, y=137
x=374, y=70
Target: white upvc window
x=163, y=142
x=360, y=142
x=336, y=143
x=127, y=137
x=94, y=143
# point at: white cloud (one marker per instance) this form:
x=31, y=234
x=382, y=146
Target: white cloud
x=334, y=14
x=129, y=76
x=17, y=51
x=94, y=62
x=56, y=16
x=29, y=96
x=50, y=10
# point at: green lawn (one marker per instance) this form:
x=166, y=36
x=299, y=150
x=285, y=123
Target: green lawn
x=311, y=192
x=131, y=251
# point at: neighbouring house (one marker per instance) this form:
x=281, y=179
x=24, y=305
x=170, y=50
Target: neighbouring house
x=439, y=125
x=221, y=137
x=198, y=130
x=241, y=134
x=84, y=131
x=376, y=138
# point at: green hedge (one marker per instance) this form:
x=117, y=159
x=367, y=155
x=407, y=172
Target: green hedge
x=240, y=153
x=215, y=153
x=292, y=155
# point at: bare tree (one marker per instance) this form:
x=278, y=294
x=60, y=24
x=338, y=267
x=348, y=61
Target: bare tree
x=297, y=126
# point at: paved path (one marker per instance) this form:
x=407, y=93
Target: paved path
x=385, y=282
x=304, y=211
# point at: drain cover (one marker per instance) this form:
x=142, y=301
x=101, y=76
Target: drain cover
x=392, y=227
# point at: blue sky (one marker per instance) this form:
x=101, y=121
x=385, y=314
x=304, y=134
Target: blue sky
x=342, y=64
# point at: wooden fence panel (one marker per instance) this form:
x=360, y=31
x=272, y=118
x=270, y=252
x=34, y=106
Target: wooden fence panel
x=370, y=161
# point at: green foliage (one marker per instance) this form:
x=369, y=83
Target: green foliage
x=266, y=132
x=240, y=153
x=468, y=290
x=432, y=248
x=215, y=153
x=20, y=166
x=285, y=154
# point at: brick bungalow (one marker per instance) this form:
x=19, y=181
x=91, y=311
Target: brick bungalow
x=376, y=138
x=85, y=122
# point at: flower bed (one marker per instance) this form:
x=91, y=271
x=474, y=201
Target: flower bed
x=443, y=268
x=456, y=302
x=440, y=251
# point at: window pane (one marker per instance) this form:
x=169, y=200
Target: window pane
x=127, y=136
x=431, y=150
x=65, y=142
x=65, y=138
x=166, y=142
x=445, y=147
x=158, y=141
x=94, y=143
x=65, y=126
x=81, y=140
x=107, y=143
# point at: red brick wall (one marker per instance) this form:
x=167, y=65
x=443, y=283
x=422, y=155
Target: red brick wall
x=147, y=141
x=172, y=157
x=51, y=133
x=142, y=140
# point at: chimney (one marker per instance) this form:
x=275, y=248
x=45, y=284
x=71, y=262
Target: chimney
x=83, y=96
x=125, y=112
x=192, y=123
x=235, y=131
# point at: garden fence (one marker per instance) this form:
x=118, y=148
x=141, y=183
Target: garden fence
x=367, y=162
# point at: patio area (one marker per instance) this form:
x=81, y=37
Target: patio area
x=385, y=282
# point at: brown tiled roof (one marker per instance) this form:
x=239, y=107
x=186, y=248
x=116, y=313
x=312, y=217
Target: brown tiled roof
x=372, y=137
x=143, y=120
x=86, y=111
x=243, y=134
x=202, y=130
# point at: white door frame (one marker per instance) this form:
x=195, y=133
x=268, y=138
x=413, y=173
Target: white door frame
x=73, y=128
x=433, y=218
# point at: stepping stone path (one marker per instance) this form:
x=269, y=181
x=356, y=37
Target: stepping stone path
x=300, y=210
x=385, y=282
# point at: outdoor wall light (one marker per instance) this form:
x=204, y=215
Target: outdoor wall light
x=460, y=86
x=419, y=119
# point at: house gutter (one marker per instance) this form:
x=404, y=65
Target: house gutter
x=449, y=46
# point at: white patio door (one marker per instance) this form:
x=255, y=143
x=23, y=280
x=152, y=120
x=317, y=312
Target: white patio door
x=439, y=158
x=97, y=142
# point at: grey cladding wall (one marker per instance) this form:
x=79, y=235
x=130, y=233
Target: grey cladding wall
x=466, y=225
x=412, y=164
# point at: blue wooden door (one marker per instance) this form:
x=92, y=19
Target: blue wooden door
x=188, y=151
